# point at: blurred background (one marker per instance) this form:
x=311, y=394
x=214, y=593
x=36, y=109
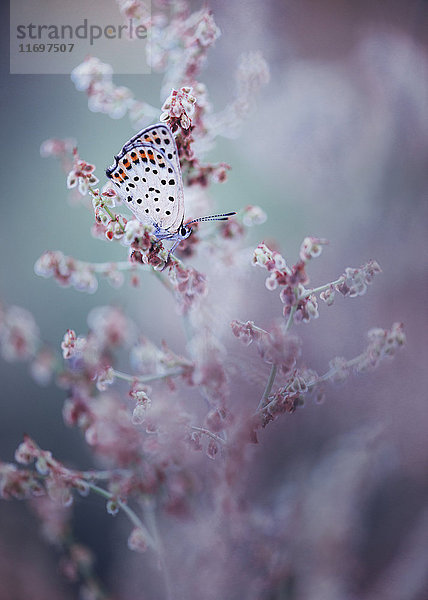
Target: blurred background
x=336, y=148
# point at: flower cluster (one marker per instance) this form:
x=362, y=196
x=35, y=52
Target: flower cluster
x=299, y=303
x=138, y=393
x=18, y=483
x=285, y=400
x=20, y=341
x=67, y=271
x=111, y=225
x=146, y=250
x=58, y=481
x=355, y=281
x=135, y=9
x=95, y=78
x=82, y=175
x=189, y=285
x=19, y=334
x=383, y=343
x=178, y=109
x=180, y=48
x=276, y=347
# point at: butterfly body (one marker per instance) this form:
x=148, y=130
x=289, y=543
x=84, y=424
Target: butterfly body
x=147, y=177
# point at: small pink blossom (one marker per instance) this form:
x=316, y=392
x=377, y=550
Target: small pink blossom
x=383, y=343
x=253, y=215
x=137, y=541
x=19, y=334
x=57, y=148
x=112, y=507
x=279, y=348
x=104, y=378
x=54, y=518
x=194, y=440
x=355, y=281
x=209, y=369
x=138, y=393
x=138, y=414
x=91, y=70
x=246, y=332
x=189, y=285
x=216, y=419
x=207, y=31
x=59, y=491
x=115, y=228
x=109, y=326
x=42, y=367
x=179, y=107
x=18, y=484
x=26, y=452
x=328, y=295
x=307, y=309
x=81, y=175
x=138, y=234
x=311, y=248
x=95, y=78
x=68, y=343
x=268, y=259
x=107, y=197
x=212, y=449
x=339, y=369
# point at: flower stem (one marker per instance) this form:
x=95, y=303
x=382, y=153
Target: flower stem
x=274, y=368
x=122, y=265
x=268, y=387
x=321, y=288
x=209, y=433
x=102, y=475
x=328, y=375
x=146, y=378
x=290, y=318
x=136, y=521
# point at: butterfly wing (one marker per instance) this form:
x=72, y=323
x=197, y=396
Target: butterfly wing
x=147, y=177
x=158, y=136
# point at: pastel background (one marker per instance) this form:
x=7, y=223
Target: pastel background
x=336, y=148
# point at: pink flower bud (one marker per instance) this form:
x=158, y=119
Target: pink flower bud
x=112, y=507
x=137, y=540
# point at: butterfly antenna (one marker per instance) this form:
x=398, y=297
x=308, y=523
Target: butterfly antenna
x=223, y=217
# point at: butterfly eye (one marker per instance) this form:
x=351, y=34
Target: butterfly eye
x=183, y=231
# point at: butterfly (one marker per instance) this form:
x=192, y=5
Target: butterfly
x=147, y=177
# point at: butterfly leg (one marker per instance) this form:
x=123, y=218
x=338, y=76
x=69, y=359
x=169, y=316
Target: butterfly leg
x=173, y=248
x=171, y=251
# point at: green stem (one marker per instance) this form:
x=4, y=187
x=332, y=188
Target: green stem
x=146, y=378
x=321, y=288
x=290, y=318
x=136, y=521
x=268, y=387
x=120, y=265
x=274, y=368
x=102, y=475
x=331, y=372
x=112, y=216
